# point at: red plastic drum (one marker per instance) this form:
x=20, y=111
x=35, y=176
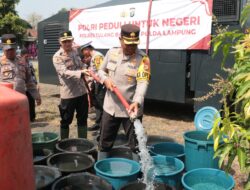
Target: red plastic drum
x=16, y=163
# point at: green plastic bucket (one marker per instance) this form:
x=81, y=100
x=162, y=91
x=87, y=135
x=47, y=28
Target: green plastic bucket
x=117, y=171
x=44, y=140
x=199, y=151
x=170, y=149
x=207, y=178
x=167, y=170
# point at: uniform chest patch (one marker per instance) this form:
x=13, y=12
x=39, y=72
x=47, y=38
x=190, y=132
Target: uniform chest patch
x=7, y=72
x=98, y=61
x=143, y=73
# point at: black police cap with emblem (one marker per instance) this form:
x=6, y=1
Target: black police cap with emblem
x=66, y=35
x=8, y=41
x=130, y=34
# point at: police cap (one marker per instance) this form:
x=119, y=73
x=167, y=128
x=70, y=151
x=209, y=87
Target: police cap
x=8, y=41
x=87, y=45
x=130, y=34
x=66, y=35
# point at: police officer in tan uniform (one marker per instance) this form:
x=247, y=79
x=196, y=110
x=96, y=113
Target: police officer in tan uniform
x=73, y=94
x=94, y=59
x=32, y=106
x=14, y=71
x=128, y=69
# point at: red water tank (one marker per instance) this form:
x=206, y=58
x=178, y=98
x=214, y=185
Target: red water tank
x=7, y=84
x=16, y=163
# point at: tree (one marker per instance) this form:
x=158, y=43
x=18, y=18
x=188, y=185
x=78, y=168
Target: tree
x=7, y=7
x=33, y=19
x=234, y=127
x=10, y=22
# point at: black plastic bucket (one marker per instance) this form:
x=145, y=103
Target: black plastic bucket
x=45, y=176
x=40, y=156
x=142, y=186
x=79, y=145
x=68, y=162
x=155, y=139
x=81, y=181
x=121, y=140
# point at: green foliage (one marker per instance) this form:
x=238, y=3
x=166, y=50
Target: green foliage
x=10, y=22
x=234, y=127
x=7, y=6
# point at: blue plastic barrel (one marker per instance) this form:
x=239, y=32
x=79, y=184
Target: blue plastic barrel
x=168, y=170
x=199, y=151
x=207, y=178
x=117, y=171
x=168, y=149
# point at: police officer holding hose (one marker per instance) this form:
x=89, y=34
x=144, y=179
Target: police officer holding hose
x=94, y=59
x=128, y=69
x=73, y=93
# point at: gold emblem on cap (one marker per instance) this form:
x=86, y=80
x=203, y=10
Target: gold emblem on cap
x=8, y=41
x=132, y=34
x=65, y=34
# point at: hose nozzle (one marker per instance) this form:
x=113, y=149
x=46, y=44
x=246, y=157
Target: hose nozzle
x=132, y=117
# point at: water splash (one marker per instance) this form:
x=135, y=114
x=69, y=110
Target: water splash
x=146, y=160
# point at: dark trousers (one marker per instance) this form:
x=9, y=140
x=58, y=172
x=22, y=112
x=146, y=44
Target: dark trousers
x=99, y=93
x=32, y=106
x=67, y=108
x=109, y=129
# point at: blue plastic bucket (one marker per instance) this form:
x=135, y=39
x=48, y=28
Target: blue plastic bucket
x=168, y=149
x=207, y=178
x=199, y=151
x=168, y=170
x=117, y=171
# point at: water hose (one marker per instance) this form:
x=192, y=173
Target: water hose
x=115, y=90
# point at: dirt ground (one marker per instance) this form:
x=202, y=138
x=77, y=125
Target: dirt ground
x=165, y=121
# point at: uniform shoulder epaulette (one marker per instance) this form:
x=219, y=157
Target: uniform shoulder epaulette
x=3, y=60
x=142, y=53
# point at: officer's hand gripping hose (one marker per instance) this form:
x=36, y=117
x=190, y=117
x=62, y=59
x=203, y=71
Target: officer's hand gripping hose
x=118, y=94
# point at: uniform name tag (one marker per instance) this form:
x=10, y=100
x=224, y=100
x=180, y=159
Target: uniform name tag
x=98, y=61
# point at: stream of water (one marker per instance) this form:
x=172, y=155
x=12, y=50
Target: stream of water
x=146, y=160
